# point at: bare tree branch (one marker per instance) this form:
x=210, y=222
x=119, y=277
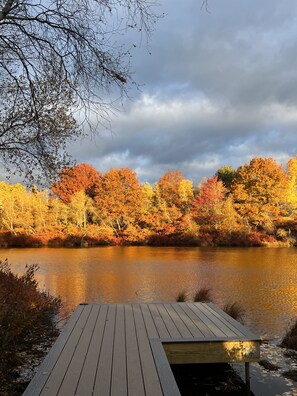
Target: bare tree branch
x=75, y=46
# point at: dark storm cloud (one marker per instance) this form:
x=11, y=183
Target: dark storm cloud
x=219, y=89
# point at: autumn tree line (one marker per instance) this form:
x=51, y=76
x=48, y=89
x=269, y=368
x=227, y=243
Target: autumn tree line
x=255, y=205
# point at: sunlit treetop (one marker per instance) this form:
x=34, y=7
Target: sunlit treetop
x=81, y=177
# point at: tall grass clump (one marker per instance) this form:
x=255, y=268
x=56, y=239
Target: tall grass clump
x=27, y=318
x=202, y=295
x=290, y=338
x=235, y=310
x=181, y=297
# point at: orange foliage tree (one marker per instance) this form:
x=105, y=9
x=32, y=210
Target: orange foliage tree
x=176, y=191
x=81, y=177
x=119, y=199
x=260, y=191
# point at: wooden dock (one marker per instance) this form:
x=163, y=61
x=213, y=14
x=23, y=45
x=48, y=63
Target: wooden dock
x=127, y=349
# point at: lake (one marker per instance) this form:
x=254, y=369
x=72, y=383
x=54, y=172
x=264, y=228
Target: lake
x=262, y=280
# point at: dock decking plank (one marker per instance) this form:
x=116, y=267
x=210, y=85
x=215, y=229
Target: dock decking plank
x=158, y=320
x=150, y=375
x=75, y=367
x=223, y=322
x=228, y=330
x=54, y=382
x=169, y=323
x=103, y=374
x=134, y=371
x=200, y=325
x=182, y=328
x=88, y=374
x=149, y=323
x=169, y=385
x=119, y=364
x=228, y=319
x=205, y=319
x=186, y=319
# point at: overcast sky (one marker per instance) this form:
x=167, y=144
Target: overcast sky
x=217, y=89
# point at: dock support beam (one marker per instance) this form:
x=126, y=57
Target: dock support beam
x=247, y=378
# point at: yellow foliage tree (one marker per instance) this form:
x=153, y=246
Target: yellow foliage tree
x=80, y=207
x=15, y=208
x=292, y=185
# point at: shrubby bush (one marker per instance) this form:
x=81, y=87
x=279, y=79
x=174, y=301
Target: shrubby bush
x=27, y=318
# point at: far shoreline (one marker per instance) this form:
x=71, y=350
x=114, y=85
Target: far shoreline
x=81, y=240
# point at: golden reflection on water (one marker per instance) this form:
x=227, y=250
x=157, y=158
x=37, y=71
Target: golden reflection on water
x=263, y=280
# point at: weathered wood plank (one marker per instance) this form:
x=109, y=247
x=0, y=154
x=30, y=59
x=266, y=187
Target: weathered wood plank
x=228, y=330
x=229, y=320
x=36, y=385
x=159, y=322
x=186, y=319
x=200, y=325
x=103, y=375
x=134, y=371
x=167, y=379
x=58, y=373
x=179, y=323
x=222, y=322
x=119, y=368
x=208, y=322
x=149, y=323
x=88, y=374
x=72, y=376
x=170, y=325
x=150, y=375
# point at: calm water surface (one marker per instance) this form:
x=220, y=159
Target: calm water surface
x=263, y=280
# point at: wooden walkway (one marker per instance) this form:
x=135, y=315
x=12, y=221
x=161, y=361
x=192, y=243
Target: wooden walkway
x=126, y=349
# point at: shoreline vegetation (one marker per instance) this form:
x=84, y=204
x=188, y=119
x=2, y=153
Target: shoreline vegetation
x=255, y=205
x=61, y=240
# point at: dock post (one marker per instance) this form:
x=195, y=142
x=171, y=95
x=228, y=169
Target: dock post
x=247, y=378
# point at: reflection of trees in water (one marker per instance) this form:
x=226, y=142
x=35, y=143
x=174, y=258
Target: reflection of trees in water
x=262, y=280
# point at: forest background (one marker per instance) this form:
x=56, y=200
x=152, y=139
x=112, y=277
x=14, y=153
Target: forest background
x=255, y=205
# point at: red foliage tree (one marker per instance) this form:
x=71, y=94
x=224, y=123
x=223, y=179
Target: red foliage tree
x=208, y=207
